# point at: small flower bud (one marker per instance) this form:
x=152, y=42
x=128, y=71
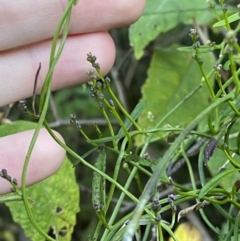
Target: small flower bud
x=158, y=218
x=101, y=96
x=111, y=102
x=99, y=84
x=174, y=208
x=72, y=119
x=8, y=178
x=108, y=80
x=171, y=198
x=96, y=65
x=91, y=58
x=224, y=7
x=14, y=181
x=12, y=189
x=200, y=60
x=100, y=104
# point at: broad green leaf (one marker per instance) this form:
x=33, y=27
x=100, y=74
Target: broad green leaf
x=231, y=19
x=171, y=76
x=55, y=201
x=215, y=182
x=163, y=15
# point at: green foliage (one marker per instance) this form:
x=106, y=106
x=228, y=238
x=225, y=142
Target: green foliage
x=234, y=17
x=171, y=76
x=54, y=203
x=162, y=16
x=214, y=182
x=187, y=100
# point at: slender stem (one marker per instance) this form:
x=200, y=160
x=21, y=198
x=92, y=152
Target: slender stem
x=160, y=233
x=66, y=17
x=161, y=166
x=110, y=128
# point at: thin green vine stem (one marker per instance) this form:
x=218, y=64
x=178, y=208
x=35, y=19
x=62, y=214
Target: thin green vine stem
x=118, y=205
x=146, y=233
x=116, y=226
x=75, y=155
x=206, y=80
x=208, y=222
x=160, y=167
x=200, y=167
x=115, y=99
x=114, y=112
x=173, y=219
x=226, y=84
x=165, y=226
x=229, y=234
x=141, y=168
x=223, y=212
x=236, y=228
x=160, y=233
x=66, y=17
x=122, y=108
x=150, y=131
x=225, y=16
x=224, y=93
x=110, y=128
x=189, y=166
x=235, y=203
x=234, y=74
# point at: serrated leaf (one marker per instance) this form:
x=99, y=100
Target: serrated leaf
x=163, y=15
x=214, y=182
x=171, y=76
x=231, y=19
x=55, y=201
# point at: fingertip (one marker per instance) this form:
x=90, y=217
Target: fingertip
x=47, y=156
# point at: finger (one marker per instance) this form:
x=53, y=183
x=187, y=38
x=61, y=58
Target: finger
x=46, y=157
x=18, y=67
x=27, y=21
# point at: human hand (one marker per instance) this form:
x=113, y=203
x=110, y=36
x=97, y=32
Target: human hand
x=27, y=28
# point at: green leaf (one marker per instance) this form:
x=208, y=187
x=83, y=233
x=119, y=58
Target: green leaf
x=214, y=182
x=55, y=201
x=231, y=19
x=15, y=127
x=171, y=76
x=162, y=16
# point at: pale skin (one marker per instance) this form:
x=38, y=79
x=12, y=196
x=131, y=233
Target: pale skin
x=26, y=29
